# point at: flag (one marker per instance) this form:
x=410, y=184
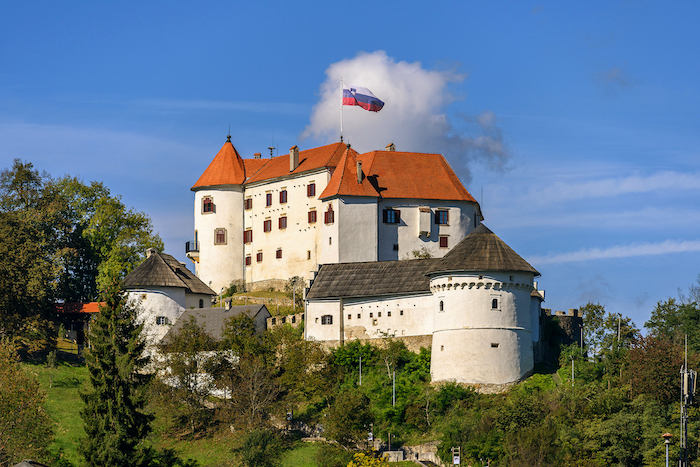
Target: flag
x=357, y=95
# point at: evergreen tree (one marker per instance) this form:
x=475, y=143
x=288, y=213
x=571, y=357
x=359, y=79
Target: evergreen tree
x=113, y=417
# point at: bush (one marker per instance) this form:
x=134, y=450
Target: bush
x=332, y=455
x=261, y=448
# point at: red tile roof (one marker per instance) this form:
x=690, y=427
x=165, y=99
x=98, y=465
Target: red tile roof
x=309, y=159
x=227, y=168
x=253, y=165
x=408, y=175
x=344, y=179
x=75, y=307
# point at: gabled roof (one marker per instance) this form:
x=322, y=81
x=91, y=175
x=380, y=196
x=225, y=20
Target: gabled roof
x=227, y=168
x=482, y=250
x=344, y=179
x=252, y=166
x=162, y=270
x=212, y=320
x=371, y=279
x=413, y=175
x=309, y=159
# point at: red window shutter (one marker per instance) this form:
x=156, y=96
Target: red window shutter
x=283, y=196
x=311, y=189
x=248, y=260
x=283, y=223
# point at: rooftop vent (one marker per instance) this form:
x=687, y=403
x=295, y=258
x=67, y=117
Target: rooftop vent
x=391, y=147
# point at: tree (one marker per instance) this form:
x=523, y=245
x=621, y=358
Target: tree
x=113, y=416
x=261, y=448
x=26, y=430
x=675, y=319
x=349, y=418
x=605, y=331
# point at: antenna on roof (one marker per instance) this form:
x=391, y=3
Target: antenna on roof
x=271, y=148
x=228, y=138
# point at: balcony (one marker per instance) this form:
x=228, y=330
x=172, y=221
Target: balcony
x=192, y=250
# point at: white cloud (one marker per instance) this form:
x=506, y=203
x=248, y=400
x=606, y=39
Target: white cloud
x=620, y=251
x=414, y=115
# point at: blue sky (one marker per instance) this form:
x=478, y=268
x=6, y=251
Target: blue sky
x=578, y=122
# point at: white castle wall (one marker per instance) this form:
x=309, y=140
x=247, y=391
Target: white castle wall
x=473, y=342
x=168, y=302
x=357, y=220
x=462, y=215
x=219, y=265
x=297, y=240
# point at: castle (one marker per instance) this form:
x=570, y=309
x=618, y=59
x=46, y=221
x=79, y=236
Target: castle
x=263, y=219
x=347, y=222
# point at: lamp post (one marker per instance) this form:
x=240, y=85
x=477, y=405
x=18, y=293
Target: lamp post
x=667, y=441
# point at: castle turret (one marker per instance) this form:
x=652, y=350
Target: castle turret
x=217, y=250
x=482, y=313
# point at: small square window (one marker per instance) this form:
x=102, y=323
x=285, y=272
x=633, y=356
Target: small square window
x=161, y=320
x=442, y=217
x=388, y=313
x=392, y=216
x=371, y=315
x=220, y=237
x=379, y=315
x=247, y=236
x=349, y=316
x=268, y=199
x=443, y=241
x=396, y=247
x=359, y=316
x=494, y=344
x=143, y=296
x=278, y=254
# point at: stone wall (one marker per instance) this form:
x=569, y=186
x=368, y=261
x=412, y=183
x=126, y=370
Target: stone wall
x=413, y=343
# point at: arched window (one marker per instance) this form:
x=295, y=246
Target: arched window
x=201, y=303
x=207, y=204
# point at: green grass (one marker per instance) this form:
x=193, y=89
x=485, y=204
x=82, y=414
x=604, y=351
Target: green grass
x=63, y=404
x=303, y=455
x=211, y=451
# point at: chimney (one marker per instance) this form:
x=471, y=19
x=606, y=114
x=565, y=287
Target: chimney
x=257, y=156
x=150, y=251
x=293, y=158
x=391, y=147
x=360, y=175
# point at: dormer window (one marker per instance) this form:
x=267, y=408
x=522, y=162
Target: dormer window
x=207, y=205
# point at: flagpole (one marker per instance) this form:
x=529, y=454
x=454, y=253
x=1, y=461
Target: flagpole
x=341, y=109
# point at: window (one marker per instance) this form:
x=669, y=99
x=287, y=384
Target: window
x=274, y=320
x=258, y=257
x=392, y=216
x=400, y=312
x=379, y=315
x=220, y=237
x=267, y=225
x=443, y=241
x=248, y=260
x=358, y=316
x=278, y=254
x=442, y=305
x=396, y=247
x=442, y=217
x=312, y=217
x=283, y=196
x=201, y=303
x=248, y=204
x=494, y=344
x=327, y=319
x=371, y=315
x=308, y=254
x=268, y=199
x=283, y=222
x=388, y=313
x=511, y=278
x=143, y=296
x=494, y=304
x=328, y=216
x=311, y=190
x=294, y=319
x=247, y=236
x=442, y=348
x=207, y=204
x=349, y=316
x=161, y=320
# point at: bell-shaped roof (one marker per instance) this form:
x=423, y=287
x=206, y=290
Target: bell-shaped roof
x=162, y=270
x=482, y=250
x=227, y=168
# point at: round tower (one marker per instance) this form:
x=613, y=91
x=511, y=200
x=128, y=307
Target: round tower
x=217, y=250
x=481, y=317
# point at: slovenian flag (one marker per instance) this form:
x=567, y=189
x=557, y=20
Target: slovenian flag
x=357, y=95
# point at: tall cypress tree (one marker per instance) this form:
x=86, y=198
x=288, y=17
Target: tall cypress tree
x=114, y=417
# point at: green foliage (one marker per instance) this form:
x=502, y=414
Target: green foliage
x=605, y=332
x=261, y=448
x=332, y=455
x=114, y=420
x=364, y=459
x=675, y=319
x=25, y=428
x=349, y=418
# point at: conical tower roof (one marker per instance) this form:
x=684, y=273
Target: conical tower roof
x=227, y=168
x=163, y=270
x=482, y=250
